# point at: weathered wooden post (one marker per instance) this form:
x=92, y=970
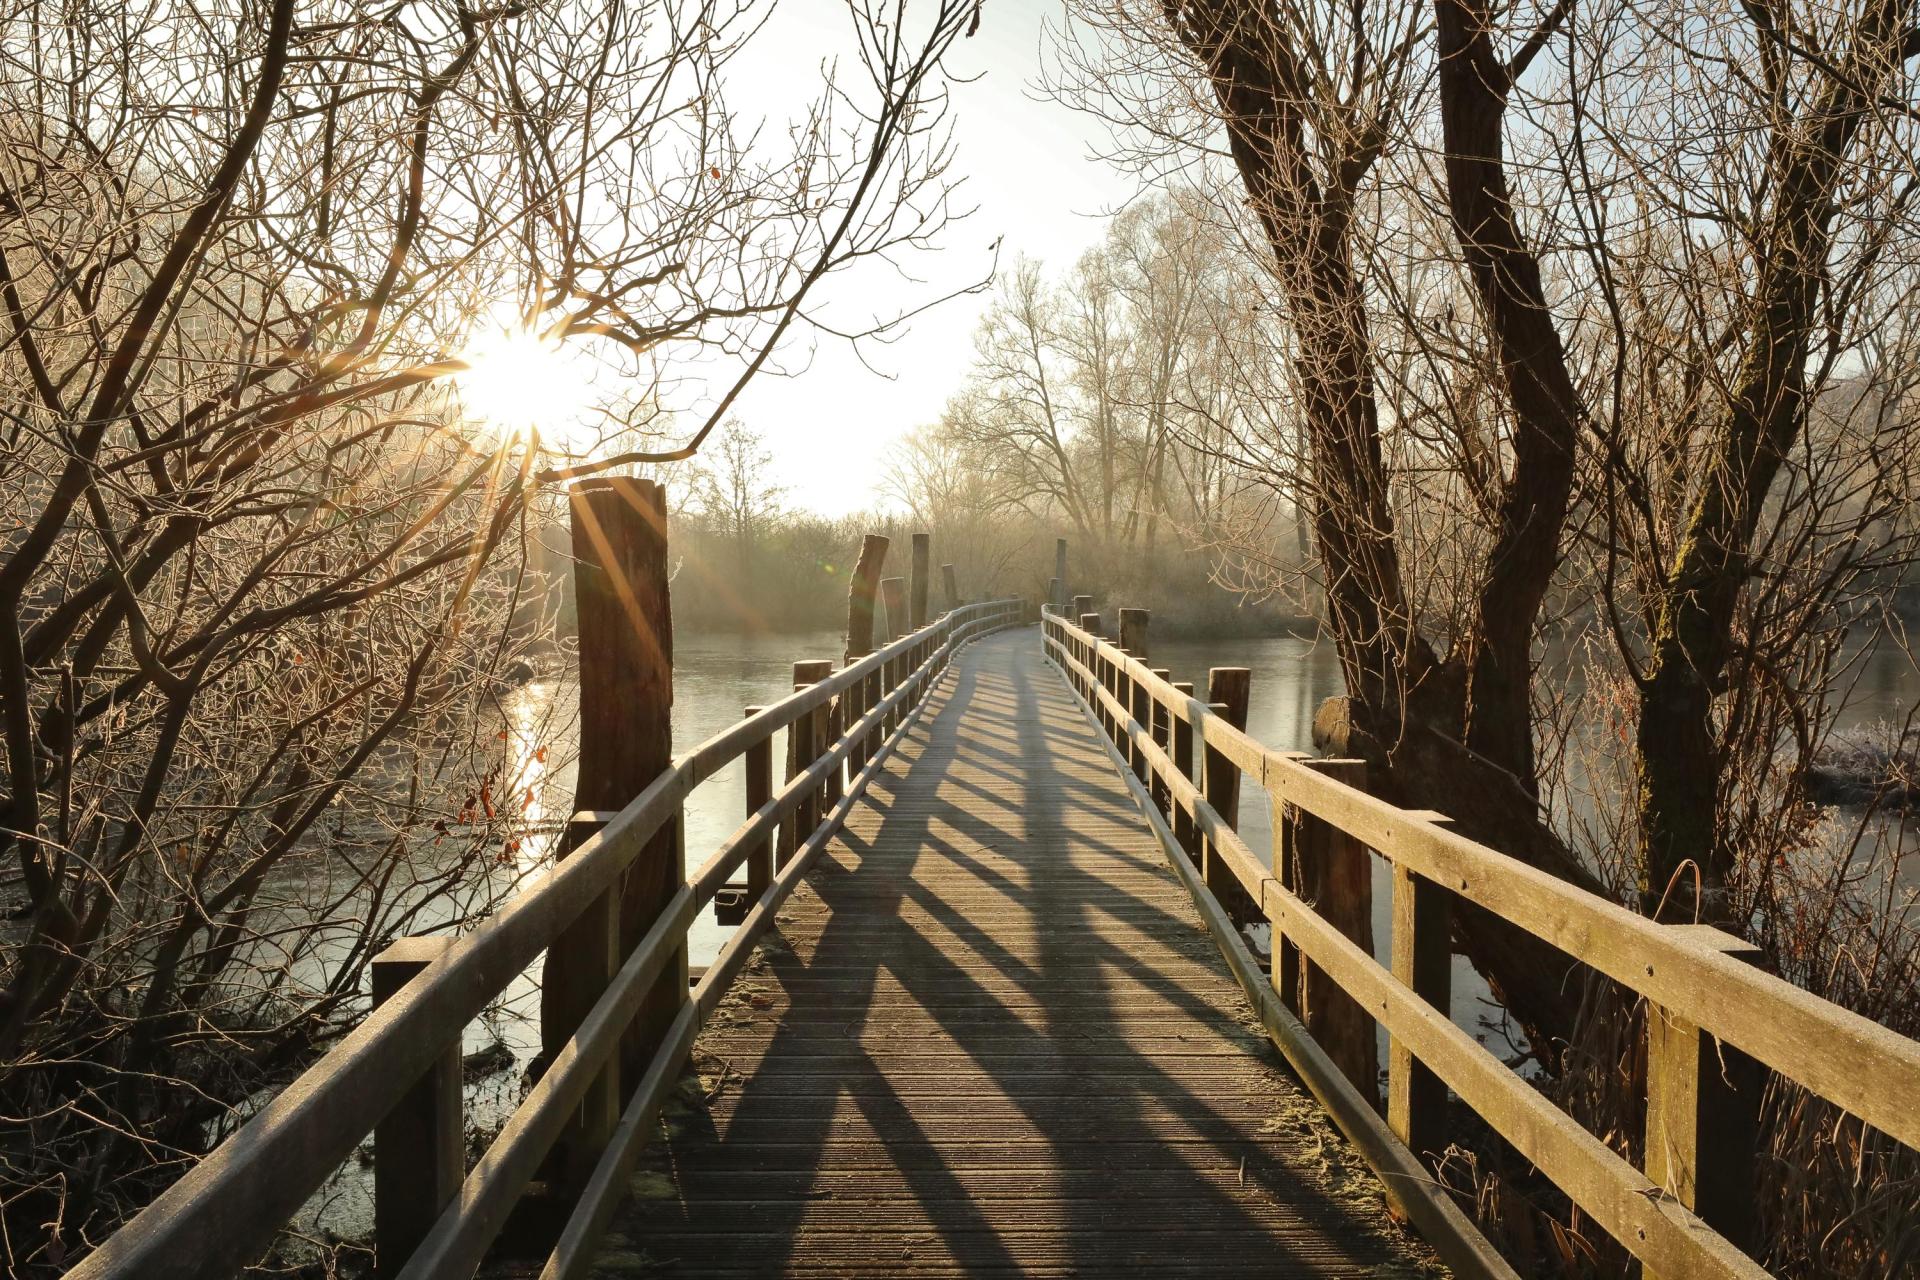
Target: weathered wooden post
x=1331, y=872
x=1423, y=960
x=759, y=771
x=804, y=744
x=917, y=595
x=1053, y=593
x=952, y=586
x=1059, y=596
x=861, y=595
x=1183, y=828
x=625, y=617
x=1703, y=1109
x=1098, y=681
x=1133, y=639
x=1081, y=607
x=893, y=593
x=1090, y=623
x=1228, y=691
x=418, y=1148
x=1161, y=731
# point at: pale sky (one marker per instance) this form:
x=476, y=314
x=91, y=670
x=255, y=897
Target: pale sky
x=1024, y=162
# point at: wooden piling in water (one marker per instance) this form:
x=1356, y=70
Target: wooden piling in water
x=919, y=569
x=893, y=597
x=861, y=594
x=625, y=615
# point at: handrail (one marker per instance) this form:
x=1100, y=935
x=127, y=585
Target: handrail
x=1686, y=972
x=224, y=1212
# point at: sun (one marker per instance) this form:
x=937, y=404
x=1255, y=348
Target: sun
x=524, y=386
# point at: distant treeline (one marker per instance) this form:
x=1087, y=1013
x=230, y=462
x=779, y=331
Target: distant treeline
x=794, y=574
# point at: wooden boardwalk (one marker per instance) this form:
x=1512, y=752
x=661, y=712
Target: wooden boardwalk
x=990, y=1037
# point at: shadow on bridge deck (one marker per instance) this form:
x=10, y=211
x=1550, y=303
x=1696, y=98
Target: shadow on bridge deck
x=991, y=1037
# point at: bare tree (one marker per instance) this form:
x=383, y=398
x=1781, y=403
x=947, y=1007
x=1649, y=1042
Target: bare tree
x=261, y=561
x=733, y=487
x=1595, y=323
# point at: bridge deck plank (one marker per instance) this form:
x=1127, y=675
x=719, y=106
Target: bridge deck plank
x=990, y=1037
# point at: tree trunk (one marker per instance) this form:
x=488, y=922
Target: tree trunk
x=1406, y=710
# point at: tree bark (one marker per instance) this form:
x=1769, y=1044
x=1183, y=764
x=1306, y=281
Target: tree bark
x=1406, y=711
x=1498, y=643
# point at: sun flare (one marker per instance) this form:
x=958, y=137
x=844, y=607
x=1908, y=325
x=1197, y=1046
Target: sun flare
x=520, y=384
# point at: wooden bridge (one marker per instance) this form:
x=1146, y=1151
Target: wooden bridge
x=989, y=1010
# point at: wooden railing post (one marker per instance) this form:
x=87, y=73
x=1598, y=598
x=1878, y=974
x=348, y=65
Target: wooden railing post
x=1090, y=658
x=625, y=621
x=1133, y=639
x=419, y=1148
x=1422, y=961
x=827, y=731
x=1081, y=607
x=1183, y=828
x=1330, y=871
x=1228, y=692
x=918, y=582
x=871, y=691
x=1058, y=597
x=759, y=771
x=952, y=585
x=861, y=596
x=1161, y=731
x=851, y=706
x=1703, y=1109
x=805, y=741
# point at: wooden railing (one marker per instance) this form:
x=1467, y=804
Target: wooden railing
x=1714, y=1021
x=399, y=1070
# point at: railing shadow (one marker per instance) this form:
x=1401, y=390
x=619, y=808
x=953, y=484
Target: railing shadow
x=1001, y=1046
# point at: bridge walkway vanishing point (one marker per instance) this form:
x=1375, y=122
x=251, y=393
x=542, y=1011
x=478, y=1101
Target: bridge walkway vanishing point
x=990, y=1035
x=974, y=1020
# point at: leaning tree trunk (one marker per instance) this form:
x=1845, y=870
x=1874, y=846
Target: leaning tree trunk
x=1406, y=710
x=1506, y=274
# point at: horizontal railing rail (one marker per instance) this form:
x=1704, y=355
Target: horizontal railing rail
x=225, y=1212
x=1701, y=994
